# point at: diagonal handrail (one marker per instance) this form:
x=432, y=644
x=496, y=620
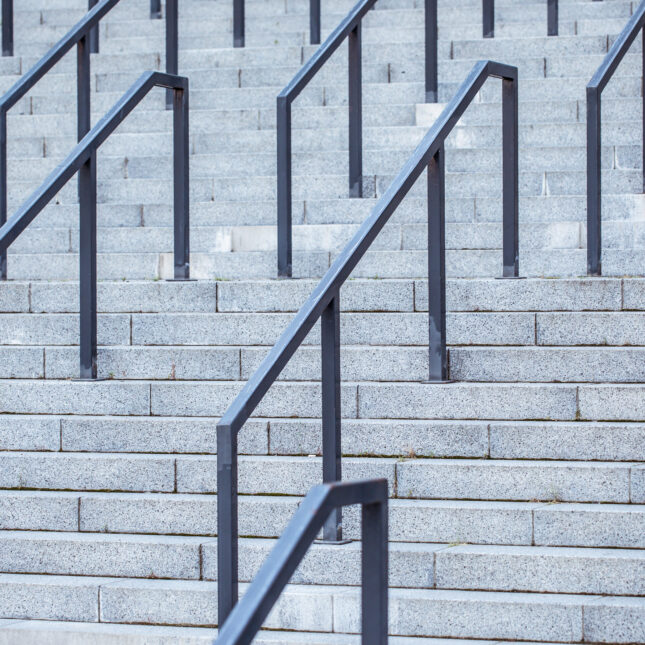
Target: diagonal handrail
x=349, y=28
x=82, y=160
x=323, y=304
x=246, y=619
x=594, y=126
x=84, y=37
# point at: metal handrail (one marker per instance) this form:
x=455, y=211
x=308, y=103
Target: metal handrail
x=82, y=159
x=84, y=35
x=323, y=304
x=7, y=27
x=350, y=28
x=594, y=174
x=247, y=617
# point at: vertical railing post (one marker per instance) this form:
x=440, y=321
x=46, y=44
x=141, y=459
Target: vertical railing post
x=7, y=27
x=432, y=62
x=438, y=364
x=594, y=235
x=374, y=578
x=552, y=17
x=489, y=18
x=87, y=224
x=314, y=22
x=155, y=8
x=227, y=527
x=643, y=112
x=181, y=185
x=331, y=419
x=510, y=178
x=238, y=23
x=284, y=186
x=94, y=32
x=172, y=45
x=355, y=114
x=3, y=185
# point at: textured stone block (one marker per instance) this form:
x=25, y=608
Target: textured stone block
x=514, y=480
x=542, y=569
x=86, y=471
x=83, y=554
x=570, y=441
x=467, y=400
x=638, y=485
x=362, y=437
x=49, y=597
x=612, y=402
x=609, y=525
x=586, y=328
x=155, y=434
x=29, y=432
x=615, y=620
x=266, y=475
x=27, y=510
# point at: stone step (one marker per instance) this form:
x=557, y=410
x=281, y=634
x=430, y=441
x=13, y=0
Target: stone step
x=21, y=632
x=483, y=567
x=411, y=521
x=358, y=363
x=259, y=475
x=440, y=613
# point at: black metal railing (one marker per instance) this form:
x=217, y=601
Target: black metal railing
x=350, y=29
x=82, y=160
x=594, y=174
x=81, y=37
x=324, y=304
x=172, y=37
x=247, y=617
x=488, y=31
x=7, y=27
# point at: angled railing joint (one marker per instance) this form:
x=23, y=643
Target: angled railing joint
x=595, y=87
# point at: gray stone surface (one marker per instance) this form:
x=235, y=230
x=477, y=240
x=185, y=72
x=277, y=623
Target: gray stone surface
x=571, y=441
x=638, y=485
x=41, y=597
x=154, y=435
x=86, y=471
x=467, y=401
x=542, y=569
x=383, y=437
x=29, y=432
x=35, y=510
x=615, y=620
x=605, y=525
x=612, y=402
x=114, y=555
x=514, y=480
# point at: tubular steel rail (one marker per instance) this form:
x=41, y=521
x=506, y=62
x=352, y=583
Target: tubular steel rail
x=81, y=36
x=350, y=28
x=594, y=174
x=324, y=304
x=7, y=27
x=82, y=160
x=248, y=615
x=488, y=14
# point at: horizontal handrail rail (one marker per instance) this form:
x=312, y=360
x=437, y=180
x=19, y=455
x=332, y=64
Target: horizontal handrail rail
x=323, y=303
x=247, y=617
x=350, y=28
x=84, y=35
x=595, y=87
x=82, y=160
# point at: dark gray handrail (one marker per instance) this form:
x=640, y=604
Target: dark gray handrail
x=350, y=28
x=594, y=174
x=323, y=303
x=247, y=617
x=7, y=27
x=84, y=36
x=82, y=159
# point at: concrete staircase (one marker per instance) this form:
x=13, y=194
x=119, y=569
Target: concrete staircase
x=518, y=492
